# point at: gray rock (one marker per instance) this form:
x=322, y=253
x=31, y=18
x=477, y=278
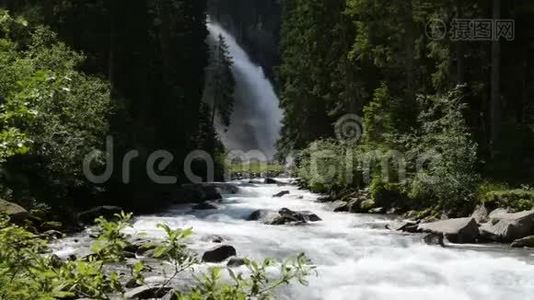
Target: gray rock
x=377, y=210
x=409, y=226
x=219, y=254
x=498, y=213
x=147, y=292
x=14, y=211
x=263, y=215
x=325, y=199
x=51, y=235
x=341, y=206
x=434, y=239
x=223, y=187
x=507, y=227
x=480, y=214
x=287, y=216
x=527, y=242
x=281, y=194
x=462, y=230
x=283, y=217
x=217, y=239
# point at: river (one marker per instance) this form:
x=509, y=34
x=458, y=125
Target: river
x=357, y=258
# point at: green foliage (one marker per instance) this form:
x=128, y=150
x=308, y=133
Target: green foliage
x=220, y=83
x=328, y=165
x=516, y=199
x=174, y=250
x=379, y=116
x=52, y=114
x=445, y=153
x=27, y=272
x=387, y=195
x=254, y=284
x=434, y=166
x=111, y=241
x=256, y=167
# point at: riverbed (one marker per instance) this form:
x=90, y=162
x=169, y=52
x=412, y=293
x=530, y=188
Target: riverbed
x=356, y=256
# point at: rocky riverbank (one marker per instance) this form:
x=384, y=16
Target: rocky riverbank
x=251, y=222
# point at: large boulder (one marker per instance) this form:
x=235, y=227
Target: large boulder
x=106, y=211
x=223, y=187
x=498, y=213
x=527, y=242
x=283, y=217
x=219, y=254
x=352, y=205
x=462, y=230
x=263, y=215
x=14, y=211
x=507, y=227
x=287, y=216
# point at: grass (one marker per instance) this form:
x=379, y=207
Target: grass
x=257, y=167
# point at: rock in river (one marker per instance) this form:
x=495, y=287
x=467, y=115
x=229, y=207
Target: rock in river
x=461, y=230
x=205, y=206
x=219, y=254
x=281, y=194
x=507, y=227
x=527, y=242
x=147, y=292
x=284, y=217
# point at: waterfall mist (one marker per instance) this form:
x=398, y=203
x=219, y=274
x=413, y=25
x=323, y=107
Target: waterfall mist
x=256, y=120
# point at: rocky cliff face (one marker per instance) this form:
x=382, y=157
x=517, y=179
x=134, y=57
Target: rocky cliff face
x=255, y=24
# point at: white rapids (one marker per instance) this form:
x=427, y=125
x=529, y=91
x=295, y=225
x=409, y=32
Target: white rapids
x=357, y=258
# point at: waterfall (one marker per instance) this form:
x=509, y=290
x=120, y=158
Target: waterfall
x=256, y=120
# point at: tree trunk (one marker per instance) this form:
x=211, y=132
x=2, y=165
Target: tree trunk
x=495, y=106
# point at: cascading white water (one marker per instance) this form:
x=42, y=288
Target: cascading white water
x=256, y=120
x=357, y=258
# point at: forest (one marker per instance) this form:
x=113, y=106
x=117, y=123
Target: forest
x=418, y=112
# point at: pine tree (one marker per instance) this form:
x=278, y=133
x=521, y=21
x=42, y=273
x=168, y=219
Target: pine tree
x=221, y=83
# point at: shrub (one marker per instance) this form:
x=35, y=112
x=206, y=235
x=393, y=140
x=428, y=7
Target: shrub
x=443, y=154
x=329, y=165
x=516, y=199
x=52, y=114
x=255, y=284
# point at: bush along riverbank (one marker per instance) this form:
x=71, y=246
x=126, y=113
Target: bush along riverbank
x=118, y=266
x=431, y=174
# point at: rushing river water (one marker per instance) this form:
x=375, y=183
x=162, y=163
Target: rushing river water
x=357, y=258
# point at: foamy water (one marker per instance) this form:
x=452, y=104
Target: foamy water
x=357, y=257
